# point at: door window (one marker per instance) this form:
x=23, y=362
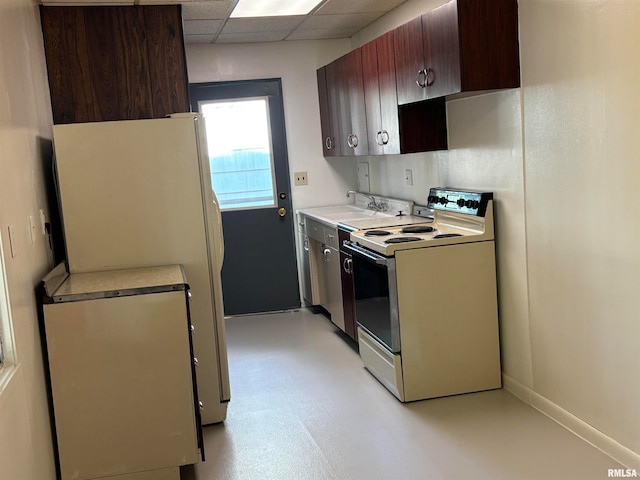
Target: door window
x=240, y=152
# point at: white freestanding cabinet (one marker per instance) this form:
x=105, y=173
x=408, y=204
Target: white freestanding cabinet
x=122, y=376
x=138, y=193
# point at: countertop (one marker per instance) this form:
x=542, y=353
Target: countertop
x=355, y=217
x=114, y=283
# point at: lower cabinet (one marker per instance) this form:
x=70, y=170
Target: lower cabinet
x=325, y=269
x=346, y=283
x=122, y=377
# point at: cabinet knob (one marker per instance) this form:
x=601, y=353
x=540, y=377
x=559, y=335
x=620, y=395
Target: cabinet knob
x=195, y=361
x=379, y=138
x=352, y=140
x=201, y=406
x=192, y=328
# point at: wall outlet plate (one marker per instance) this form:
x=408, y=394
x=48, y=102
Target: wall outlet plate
x=300, y=178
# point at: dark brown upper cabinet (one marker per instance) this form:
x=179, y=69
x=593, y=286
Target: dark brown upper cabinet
x=462, y=46
x=115, y=62
x=342, y=113
x=327, y=125
x=381, y=100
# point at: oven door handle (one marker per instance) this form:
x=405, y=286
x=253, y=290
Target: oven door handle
x=357, y=250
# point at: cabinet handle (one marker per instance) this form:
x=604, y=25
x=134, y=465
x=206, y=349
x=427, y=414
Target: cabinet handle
x=425, y=77
x=385, y=137
x=306, y=245
x=328, y=142
x=195, y=361
x=431, y=77
x=352, y=140
x=326, y=252
x=201, y=406
x=192, y=329
x=347, y=266
x=421, y=78
x=379, y=138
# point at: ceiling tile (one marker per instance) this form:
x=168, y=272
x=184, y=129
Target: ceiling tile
x=350, y=20
x=338, y=7
x=212, y=10
x=268, y=24
x=323, y=33
x=195, y=39
x=252, y=37
x=199, y=27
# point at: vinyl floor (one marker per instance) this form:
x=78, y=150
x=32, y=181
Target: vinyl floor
x=303, y=407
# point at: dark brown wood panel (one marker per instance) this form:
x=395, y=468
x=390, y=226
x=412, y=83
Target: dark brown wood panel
x=423, y=126
x=99, y=28
x=355, y=102
x=348, y=292
x=328, y=136
x=130, y=45
x=115, y=63
x=442, y=50
x=166, y=60
x=372, y=97
x=388, y=93
x=409, y=60
x=489, y=47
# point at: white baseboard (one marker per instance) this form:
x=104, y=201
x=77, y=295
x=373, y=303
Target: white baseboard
x=589, y=434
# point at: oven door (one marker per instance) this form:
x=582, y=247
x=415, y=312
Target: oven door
x=376, y=295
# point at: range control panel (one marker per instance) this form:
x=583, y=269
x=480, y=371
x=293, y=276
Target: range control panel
x=460, y=201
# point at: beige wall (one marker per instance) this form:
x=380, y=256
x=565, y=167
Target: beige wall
x=562, y=156
x=25, y=127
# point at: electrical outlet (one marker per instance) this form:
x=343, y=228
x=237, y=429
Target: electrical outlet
x=301, y=178
x=408, y=177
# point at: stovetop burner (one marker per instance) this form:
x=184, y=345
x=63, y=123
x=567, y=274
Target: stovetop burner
x=376, y=233
x=448, y=235
x=418, y=229
x=402, y=239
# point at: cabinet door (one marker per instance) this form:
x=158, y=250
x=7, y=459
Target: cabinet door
x=353, y=116
x=381, y=100
x=335, y=101
x=388, y=95
x=409, y=61
x=333, y=286
x=326, y=127
x=372, y=97
x=442, y=50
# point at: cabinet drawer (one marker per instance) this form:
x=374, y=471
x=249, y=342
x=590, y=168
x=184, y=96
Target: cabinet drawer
x=322, y=232
x=315, y=229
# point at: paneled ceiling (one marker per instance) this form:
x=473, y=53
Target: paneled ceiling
x=207, y=21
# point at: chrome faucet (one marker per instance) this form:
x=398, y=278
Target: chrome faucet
x=372, y=205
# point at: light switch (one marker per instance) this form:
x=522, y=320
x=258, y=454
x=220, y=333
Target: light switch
x=408, y=177
x=363, y=177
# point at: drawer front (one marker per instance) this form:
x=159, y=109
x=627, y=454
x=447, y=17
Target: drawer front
x=315, y=229
x=331, y=236
x=382, y=364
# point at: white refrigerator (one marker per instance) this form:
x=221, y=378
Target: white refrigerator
x=138, y=193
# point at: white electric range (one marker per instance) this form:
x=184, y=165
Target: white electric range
x=426, y=298
x=452, y=217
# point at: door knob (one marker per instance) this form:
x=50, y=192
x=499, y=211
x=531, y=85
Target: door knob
x=282, y=211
